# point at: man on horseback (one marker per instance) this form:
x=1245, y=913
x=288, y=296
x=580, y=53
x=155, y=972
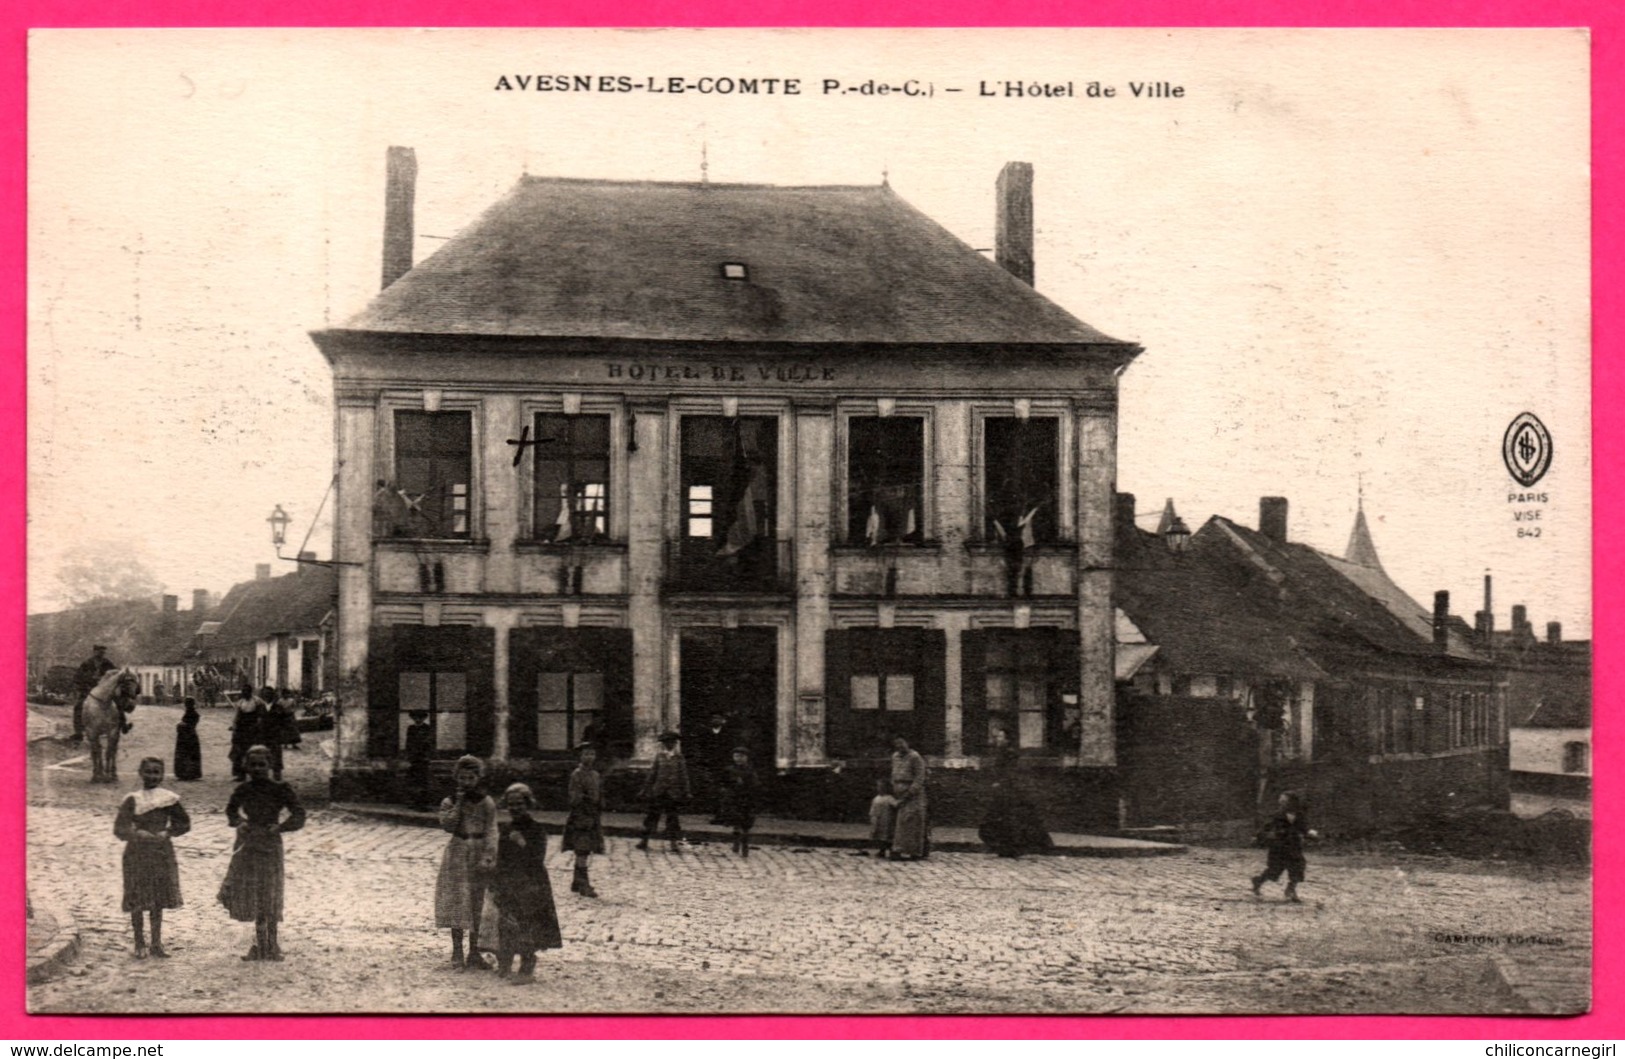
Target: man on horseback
x=85, y=679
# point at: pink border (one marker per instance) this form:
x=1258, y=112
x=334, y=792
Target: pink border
x=1608, y=88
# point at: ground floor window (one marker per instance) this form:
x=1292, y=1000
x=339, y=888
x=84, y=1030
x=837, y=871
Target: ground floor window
x=884, y=682
x=567, y=688
x=1018, y=681
x=1576, y=757
x=443, y=671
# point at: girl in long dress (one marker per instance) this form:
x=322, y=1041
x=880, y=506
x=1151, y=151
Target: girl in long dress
x=465, y=867
x=1011, y=824
x=252, y=891
x=519, y=904
x=147, y=822
x=188, y=751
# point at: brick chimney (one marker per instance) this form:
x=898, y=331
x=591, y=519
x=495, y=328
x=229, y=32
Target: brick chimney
x=1125, y=511
x=171, y=605
x=1554, y=632
x=1013, y=227
x=1441, y=620
x=200, y=600
x=1272, y=518
x=304, y=558
x=262, y=571
x=400, y=188
x=1520, y=621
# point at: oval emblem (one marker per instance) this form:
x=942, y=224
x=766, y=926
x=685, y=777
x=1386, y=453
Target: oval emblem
x=1527, y=449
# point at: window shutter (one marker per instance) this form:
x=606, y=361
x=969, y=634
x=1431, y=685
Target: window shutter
x=840, y=740
x=524, y=647
x=383, y=694
x=611, y=654
x=931, y=690
x=973, y=690
x=481, y=655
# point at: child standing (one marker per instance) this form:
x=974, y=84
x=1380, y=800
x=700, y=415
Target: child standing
x=465, y=868
x=147, y=821
x=882, y=817
x=521, y=910
x=252, y=890
x=188, y=752
x=738, y=804
x=1283, y=837
x=419, y=750
x=583, y=828
x=665, y=790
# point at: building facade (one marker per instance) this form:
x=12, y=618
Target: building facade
x=787, y=468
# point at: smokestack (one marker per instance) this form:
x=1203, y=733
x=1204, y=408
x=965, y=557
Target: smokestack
x=262, y=571
x=1013, y=228
x=400, y=187
x=1554, y=632
x=1520, y=620
x=1489, y=611
x=1125, y=511
x=1272, y=518
x=171, y=605
x=1441, y=619
x=200, y=600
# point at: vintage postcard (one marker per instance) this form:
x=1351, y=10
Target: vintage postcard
x=919, y=521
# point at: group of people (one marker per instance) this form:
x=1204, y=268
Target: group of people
x=265, y=719
x=261, y=810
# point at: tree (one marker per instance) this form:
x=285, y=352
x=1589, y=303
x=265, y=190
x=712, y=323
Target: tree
x=103, y=571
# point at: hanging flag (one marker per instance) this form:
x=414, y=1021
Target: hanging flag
x=564, y=523
x=998, y=530
x=1026, y=524
x=746, y=527
x=871, y=530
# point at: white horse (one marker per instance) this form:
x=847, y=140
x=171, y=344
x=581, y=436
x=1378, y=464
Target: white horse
x=104, y=710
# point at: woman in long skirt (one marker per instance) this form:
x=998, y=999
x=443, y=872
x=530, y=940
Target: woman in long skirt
x=520, y=909
x=911, y=835
x=147, y=821
x=1011, y=825
x=465, y=867
x=252, y=891
x=188, y=752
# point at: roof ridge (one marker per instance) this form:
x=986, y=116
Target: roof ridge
x=699, y=185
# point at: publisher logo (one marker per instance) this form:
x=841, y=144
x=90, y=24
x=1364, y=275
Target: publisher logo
x=1527, y=449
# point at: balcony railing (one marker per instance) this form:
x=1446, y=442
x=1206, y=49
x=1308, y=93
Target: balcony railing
x=696, y=564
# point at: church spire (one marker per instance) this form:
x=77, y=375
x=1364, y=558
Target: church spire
x=1362, y=551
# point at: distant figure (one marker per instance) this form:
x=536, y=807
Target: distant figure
x=1283, y=837
x=147, y=821
x=911, y=839
x=253, y=888
x=738, y=809
x=188, y=751
x=245, y=729
x=419, y=752
x=583, y=828
x=664, y=791
x=1011, y=825
x=882, y=818
x=273, y=720
x=519, y=905
x=85, y=679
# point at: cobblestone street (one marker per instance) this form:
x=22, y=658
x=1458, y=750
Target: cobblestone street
x=805, y=930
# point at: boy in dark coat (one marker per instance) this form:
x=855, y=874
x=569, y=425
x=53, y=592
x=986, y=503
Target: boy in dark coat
x=738, y=809
x=1283, y=837
x=665, y=791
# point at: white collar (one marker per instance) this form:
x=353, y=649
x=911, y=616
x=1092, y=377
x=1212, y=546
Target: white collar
x=157, y=798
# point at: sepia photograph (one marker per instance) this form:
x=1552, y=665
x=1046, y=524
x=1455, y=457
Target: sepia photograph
x=809, y=521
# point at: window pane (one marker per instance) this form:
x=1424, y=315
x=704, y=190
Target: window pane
x=699, y=492
x=1001, y=691
x=999, y=653
x=1019, y=477
x=1031, y=693
x=699, y=527
x=589, y=691
x=552, y=692
x=583, y=720
x=451, y=691
x=592, y=436
x=552, y=732
x=1032, y=729
x=885, y=478
x=414, y=691
x=899, y=692
x=865, y=693
x=450, y=732
x=552, y=435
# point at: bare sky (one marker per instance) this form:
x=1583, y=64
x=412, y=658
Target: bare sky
x=1349, y=254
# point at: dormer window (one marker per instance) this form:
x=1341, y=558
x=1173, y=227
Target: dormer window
x=735, y=270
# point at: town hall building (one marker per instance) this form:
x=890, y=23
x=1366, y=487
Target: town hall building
x=791, y=468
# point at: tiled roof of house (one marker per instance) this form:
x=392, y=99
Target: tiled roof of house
x=1560, y=710
x=254, y=610
x=644, y=260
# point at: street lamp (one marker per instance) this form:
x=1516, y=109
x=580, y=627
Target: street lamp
x=1177, y=536
x=279, y=528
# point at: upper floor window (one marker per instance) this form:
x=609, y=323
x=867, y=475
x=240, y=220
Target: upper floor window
x=572, y=477
x=433, y=471
x=1019, y=459
x=1576, y=757
x=885, y=479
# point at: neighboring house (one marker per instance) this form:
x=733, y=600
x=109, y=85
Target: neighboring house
x=275, y=631
x=1278, y=667
x=620, y=456
x=1550, y=692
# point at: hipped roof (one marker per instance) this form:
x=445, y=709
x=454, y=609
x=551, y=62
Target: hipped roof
x=643, y=260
